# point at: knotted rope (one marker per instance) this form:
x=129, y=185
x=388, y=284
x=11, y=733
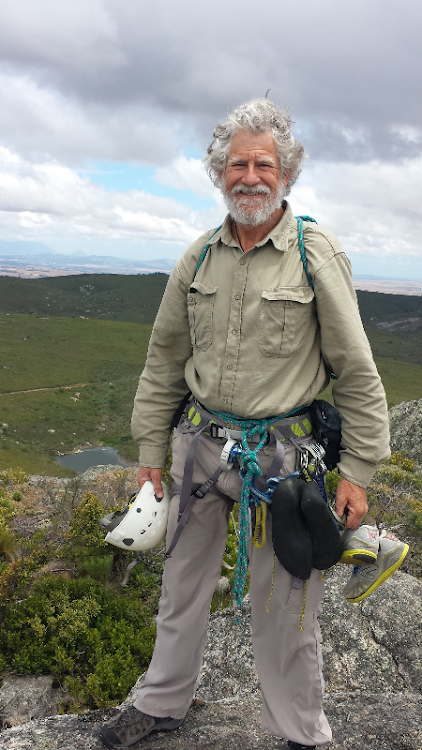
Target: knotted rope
x=250, y=469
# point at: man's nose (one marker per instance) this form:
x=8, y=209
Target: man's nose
x=251, y=176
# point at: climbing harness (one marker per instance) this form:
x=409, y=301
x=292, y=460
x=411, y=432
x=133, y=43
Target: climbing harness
x=241, y=440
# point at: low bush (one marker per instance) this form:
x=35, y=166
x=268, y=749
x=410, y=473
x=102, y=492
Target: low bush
x=85, y=630
x=96, y=641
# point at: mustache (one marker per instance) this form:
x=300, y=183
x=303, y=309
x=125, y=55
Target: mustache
x=253, y=190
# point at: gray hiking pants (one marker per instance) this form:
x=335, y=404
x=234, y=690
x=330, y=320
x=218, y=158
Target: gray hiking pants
x=288, y=660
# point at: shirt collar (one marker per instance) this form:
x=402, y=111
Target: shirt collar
x=279, y=236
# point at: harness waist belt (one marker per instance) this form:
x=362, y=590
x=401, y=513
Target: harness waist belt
x=198, y=420
x=197, y=417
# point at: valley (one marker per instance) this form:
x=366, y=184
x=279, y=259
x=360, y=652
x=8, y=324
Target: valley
x=72, y=349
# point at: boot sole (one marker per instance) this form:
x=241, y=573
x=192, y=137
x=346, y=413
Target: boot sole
x=357, y=557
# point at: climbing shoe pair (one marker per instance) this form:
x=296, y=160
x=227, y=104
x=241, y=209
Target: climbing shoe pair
x=131, y=725
x=304, y=532
x=367, y=578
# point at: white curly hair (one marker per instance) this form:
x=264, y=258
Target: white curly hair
x=258, y=116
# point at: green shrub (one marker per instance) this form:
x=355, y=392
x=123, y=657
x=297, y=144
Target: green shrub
x=85, y=538
x=96, y=640
x=98, y=568
x=332, y=479
x=7, y=543
x=6, y=508
x=398, y=458
x=15, y=475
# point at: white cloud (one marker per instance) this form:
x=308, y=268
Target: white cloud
x=373, y=208
x=49, y=200
x=187, y=174
x=80, y=33
x=39, y=121
x=130, y=76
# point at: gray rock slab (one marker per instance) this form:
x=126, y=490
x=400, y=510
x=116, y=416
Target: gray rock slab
x=374, y=645
x=228, y=670
x=394, y=618
x=359, y=722
x=406, y=429
x=29, y=697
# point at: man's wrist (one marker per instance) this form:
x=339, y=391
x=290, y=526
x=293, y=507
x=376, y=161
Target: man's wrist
x=355, y=470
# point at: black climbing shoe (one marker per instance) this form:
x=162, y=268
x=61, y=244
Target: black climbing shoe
x=291, y=539
x=327, y=545
x=296, y=746
x=131, y=725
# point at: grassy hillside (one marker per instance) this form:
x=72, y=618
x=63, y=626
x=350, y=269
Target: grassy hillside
x=100, y=360
x=376, y=306
x=134, y=299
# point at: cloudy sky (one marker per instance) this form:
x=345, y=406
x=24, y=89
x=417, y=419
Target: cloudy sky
x=107, y=107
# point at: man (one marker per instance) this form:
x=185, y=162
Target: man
x=241, y=328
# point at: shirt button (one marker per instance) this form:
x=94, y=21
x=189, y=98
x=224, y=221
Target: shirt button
x=190, y=298
x=237, y=296
x=242, y=262
x=225, y=400
x=234, y=331
x=229, y=366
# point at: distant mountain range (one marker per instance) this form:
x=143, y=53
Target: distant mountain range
x=32, y=260
x=35, y=259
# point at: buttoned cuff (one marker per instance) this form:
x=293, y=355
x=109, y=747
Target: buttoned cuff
x=152, y=456
x=355, y=470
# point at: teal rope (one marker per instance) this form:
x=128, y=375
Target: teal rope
x=251, y=469
x=205, y=250
x=300, y=220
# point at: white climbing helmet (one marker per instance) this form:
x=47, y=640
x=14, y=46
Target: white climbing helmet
x=142, y=524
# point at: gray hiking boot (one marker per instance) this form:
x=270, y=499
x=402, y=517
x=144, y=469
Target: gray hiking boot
x=366, y=578
x=360, y=545
x=131, y=725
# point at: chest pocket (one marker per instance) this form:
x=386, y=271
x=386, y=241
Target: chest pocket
x=200, y=301
x=285, y=316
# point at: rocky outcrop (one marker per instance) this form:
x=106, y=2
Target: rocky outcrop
x=406, y=429
x=27, y=697
x=373, y=669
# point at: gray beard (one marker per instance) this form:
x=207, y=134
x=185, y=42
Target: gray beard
x=246, y=214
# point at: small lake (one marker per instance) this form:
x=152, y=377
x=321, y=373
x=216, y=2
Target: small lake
x=90, y=457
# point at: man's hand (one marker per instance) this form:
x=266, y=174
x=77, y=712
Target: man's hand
x=144, y=474
x=352, y=497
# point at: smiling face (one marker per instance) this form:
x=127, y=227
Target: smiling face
x=253, y=187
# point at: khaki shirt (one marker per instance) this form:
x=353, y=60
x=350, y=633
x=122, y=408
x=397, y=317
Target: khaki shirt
x=248, y=336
